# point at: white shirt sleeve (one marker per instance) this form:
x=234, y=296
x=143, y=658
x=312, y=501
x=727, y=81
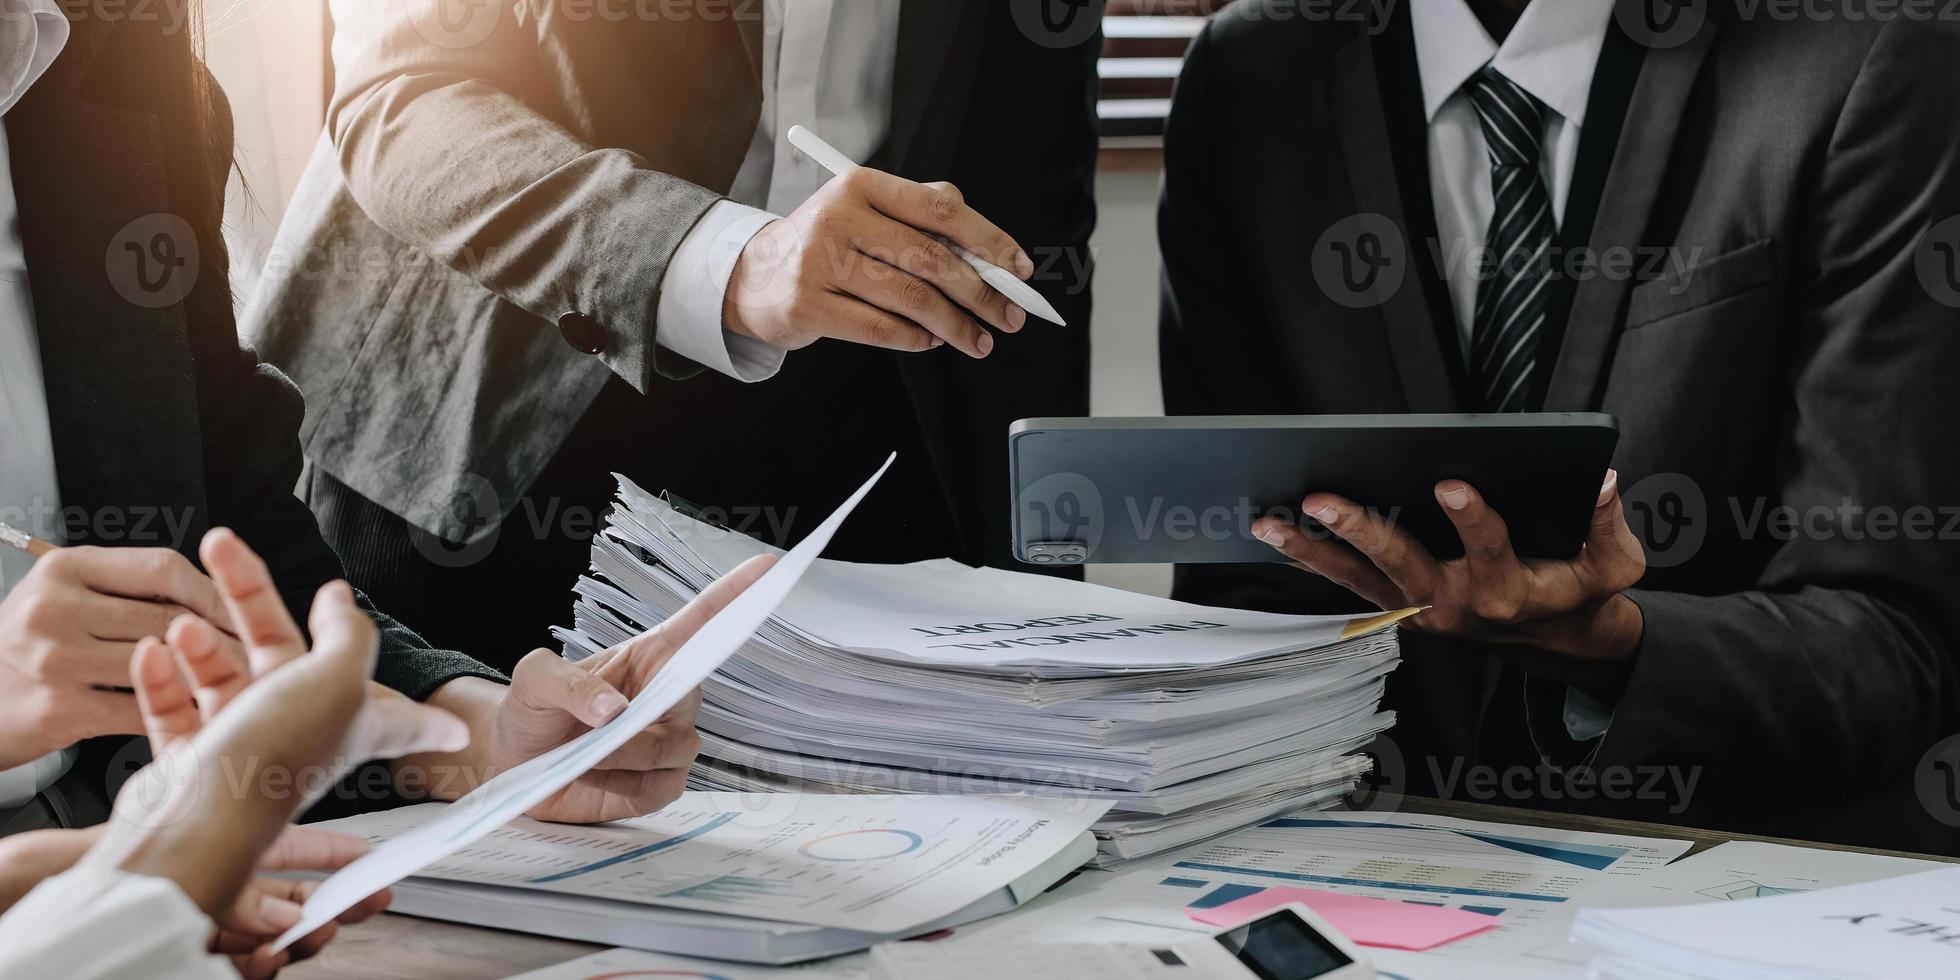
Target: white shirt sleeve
x=21, y=783
x=688, y=319
x=1586, y=717
x=101, y=923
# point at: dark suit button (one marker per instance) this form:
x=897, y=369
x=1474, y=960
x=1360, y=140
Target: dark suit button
x=582, y=332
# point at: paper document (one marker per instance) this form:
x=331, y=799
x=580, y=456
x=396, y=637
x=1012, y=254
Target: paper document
x=944, y=614
x=1527, y=879
x=504, y=798
x=1368, y=921
x=880, y=864
x=619, y=964
x=1905, y=928
x=1741, y=870
x=1733, y=872
x=934, y=677
x=1054, y=918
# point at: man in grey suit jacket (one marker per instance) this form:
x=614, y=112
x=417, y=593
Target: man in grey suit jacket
x=1765, y=200
x=162, y=428
x=477, y=281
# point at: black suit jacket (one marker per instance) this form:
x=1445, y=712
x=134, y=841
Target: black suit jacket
x=494, y=181
x=163, y=427
x=1800, y=170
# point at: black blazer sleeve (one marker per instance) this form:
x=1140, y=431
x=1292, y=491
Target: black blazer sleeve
x=1840, y=664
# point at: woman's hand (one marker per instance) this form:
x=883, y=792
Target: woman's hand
x=236, y=762
x=270, y=905
x=389, y=724
x=551, y=701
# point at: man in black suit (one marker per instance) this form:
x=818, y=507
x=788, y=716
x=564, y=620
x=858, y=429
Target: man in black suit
x=522, y=232
x=1718, y=229
x=147, y=425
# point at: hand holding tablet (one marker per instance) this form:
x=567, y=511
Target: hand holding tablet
x=1505, y=528
x=1189, y=490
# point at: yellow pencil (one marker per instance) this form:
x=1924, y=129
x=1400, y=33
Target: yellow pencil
x=20, y=540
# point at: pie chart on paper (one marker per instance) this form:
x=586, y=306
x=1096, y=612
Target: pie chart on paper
x=862, y=845
x=684, y=974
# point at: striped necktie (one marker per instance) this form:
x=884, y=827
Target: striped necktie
x=1510, y=314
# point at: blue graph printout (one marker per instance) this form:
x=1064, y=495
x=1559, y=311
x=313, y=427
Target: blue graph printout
x=1525, y=877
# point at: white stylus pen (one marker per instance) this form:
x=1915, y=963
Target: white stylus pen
x=1005, y=282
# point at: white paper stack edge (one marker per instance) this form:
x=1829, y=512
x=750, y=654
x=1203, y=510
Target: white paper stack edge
x=1903, y=928
x=935, y=677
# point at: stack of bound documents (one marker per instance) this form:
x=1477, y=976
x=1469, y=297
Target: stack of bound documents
x=935, y=677
x=758, y=879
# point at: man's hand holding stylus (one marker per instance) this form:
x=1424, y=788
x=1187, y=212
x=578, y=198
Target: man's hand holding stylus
x=861, y=261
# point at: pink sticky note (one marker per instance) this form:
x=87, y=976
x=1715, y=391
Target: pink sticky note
x=1368, y=921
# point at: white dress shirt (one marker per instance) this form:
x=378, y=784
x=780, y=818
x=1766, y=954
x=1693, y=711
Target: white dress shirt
x=1552, y=52
x=32, y=32
x=827, y=65
x=98, y=923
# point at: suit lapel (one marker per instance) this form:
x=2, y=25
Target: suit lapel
x=1646, y=141
x=1612, y=89
x=87, y=160
x=1362, y=119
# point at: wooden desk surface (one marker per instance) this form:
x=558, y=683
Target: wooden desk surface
x=396, y=947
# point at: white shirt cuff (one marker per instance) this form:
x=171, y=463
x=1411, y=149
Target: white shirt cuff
x=688, y=319
x=1586, y=717
x=106, y=924
x=23, y=782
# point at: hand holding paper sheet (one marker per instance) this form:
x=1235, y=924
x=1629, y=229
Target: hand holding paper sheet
x=510, y=794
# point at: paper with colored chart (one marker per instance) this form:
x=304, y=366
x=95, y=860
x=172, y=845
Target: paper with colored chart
x=1368, y=921
x=1529, y=880
x=522, y=787
x=619, y=964
x=879, y=864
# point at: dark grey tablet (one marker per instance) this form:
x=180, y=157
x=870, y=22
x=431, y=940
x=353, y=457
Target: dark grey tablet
x=1189, y=489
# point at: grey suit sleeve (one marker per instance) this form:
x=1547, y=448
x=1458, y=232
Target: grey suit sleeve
x=438, y=143
x=1841, y=664
x=250, y=415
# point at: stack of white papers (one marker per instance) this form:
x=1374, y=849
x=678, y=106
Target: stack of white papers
x=523, y=786
x=779, y=877
x=1905, y=928
x=935, y=677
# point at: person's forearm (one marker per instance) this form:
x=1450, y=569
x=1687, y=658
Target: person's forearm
x=417, y=123
x=1720, y=678
x=449, y=775
x=28, y=859
x=167, y=823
